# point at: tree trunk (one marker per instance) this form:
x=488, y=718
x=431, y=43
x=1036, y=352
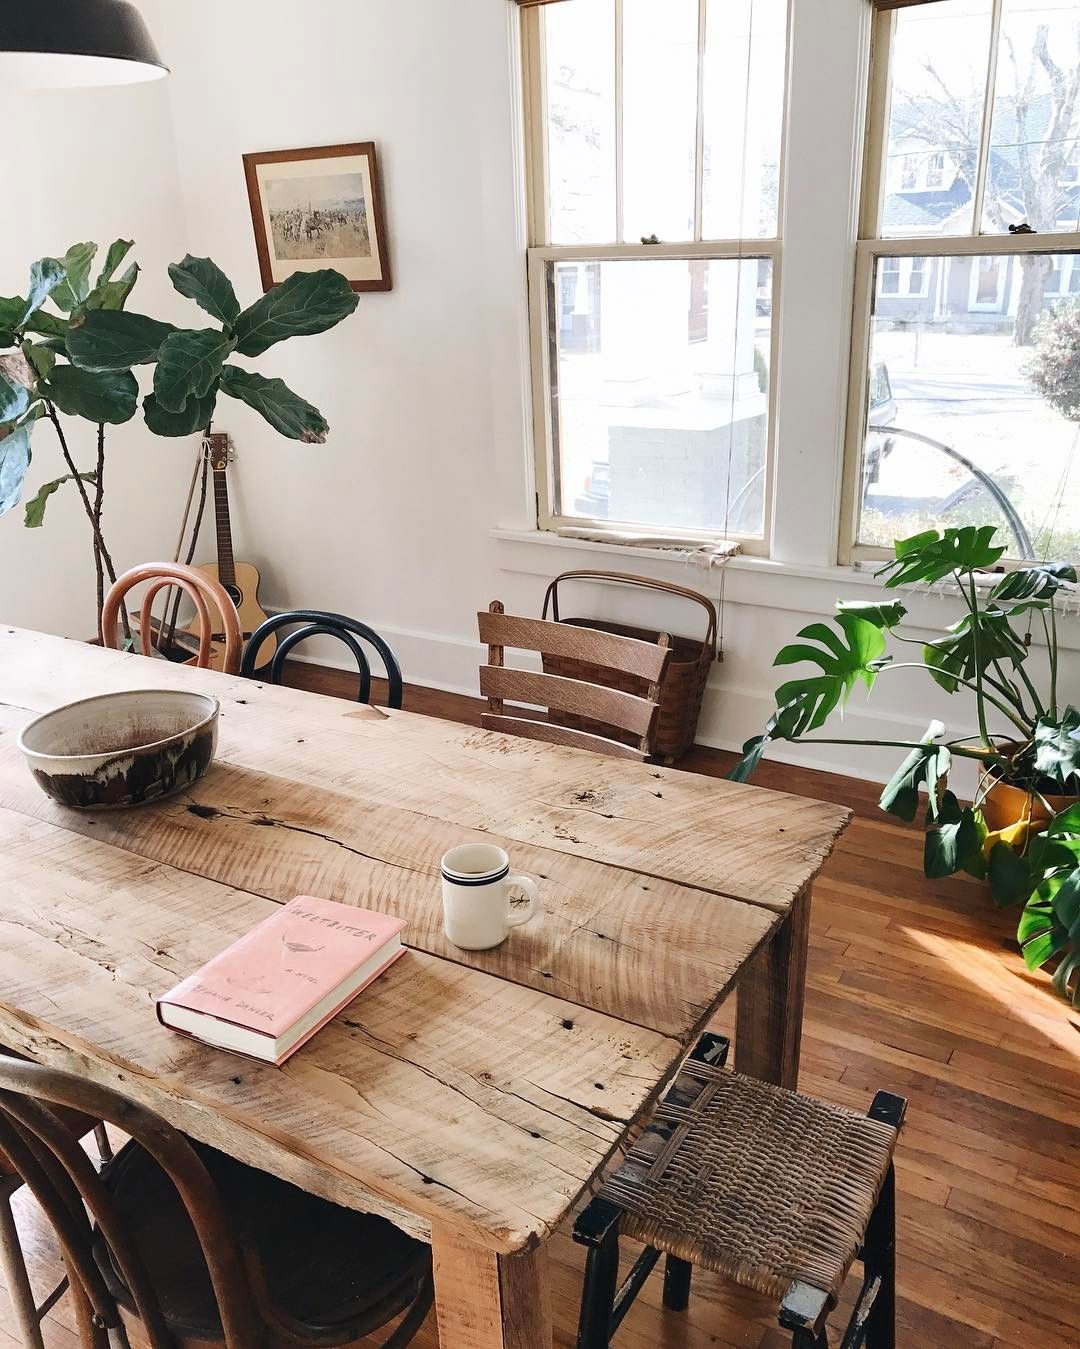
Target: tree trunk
x=1035, y=271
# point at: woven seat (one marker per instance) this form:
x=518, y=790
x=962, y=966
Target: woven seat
x=758, y=1184
x=775, y=1191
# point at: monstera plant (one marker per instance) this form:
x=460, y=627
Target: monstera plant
x=1028, y=741
x=69, y=350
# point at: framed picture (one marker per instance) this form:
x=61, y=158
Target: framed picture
x=319, y=208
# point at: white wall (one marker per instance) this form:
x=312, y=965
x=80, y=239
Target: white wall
x=79, y=165
x=416, y=510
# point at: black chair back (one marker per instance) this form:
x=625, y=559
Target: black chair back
x=318, y=623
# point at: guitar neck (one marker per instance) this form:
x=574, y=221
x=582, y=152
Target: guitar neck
x=225, y=559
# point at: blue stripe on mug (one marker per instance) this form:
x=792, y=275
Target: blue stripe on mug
x=489, y=879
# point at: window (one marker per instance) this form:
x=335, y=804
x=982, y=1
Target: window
x=655, y=199
x=965, y=394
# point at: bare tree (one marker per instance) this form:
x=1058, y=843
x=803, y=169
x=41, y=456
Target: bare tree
x=1031, y=178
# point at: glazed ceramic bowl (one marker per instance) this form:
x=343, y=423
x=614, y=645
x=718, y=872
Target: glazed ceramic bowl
x=122, y=749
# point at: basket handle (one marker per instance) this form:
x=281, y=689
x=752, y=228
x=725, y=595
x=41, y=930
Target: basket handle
x=551, y=598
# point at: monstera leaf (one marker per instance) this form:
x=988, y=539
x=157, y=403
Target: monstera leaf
x=1029, y=587
x=99, y=396
x=953, y=657
x=35, y=508
x=1057, y=748
x=195, y=415
x=930, y=556
x=14, y=461
x=927, y=766
x=305, y=304
x=203, y=281
x=286, y=411
x=189, y=364
x=75, y=286
x=107, y=339
x=845, y=657
x=955, y=842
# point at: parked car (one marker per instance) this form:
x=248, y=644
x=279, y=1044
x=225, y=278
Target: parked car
x=882, y=414
x=596, y=498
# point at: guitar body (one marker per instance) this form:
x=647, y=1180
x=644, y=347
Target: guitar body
x=240, y=579
x=245, y=595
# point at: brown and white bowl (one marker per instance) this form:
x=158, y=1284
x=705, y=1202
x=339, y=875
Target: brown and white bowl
x=122, y=749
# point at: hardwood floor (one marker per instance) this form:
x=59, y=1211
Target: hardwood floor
x=914, y=986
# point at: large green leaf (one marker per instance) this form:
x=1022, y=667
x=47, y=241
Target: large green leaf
x=926, y=766
x=40, y=357
x=286, y=411
x=35, y=508
x=952, y=845
x=1030, y=587
x=887, y=615
x=99, y=396
x=118, y=251
x=189, y=365
x=1057, y=749
x=109, y=294
x=14, y=461
x=106, y=339
x=12, y=312
x=14, y=391
x=75, y=286
x=990, y=637
x=1012, y=876
x=305, y=304
x=845, y=657
x=930, y=556
x=46, y=324
x=203, y=281
x=45, y=275
x=195, y=416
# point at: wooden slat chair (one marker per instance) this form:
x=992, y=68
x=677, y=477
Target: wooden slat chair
x=28, y=1312
x=199, y=588
x=195, y=1249
x=624, y=712
x=775, y=1191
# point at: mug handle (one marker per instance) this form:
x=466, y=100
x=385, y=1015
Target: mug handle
x=522, y=914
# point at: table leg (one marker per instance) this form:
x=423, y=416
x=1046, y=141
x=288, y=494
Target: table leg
x=768, y=1027
x=489, y=1301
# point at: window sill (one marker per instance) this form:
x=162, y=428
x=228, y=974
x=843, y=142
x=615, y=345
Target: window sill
x=759, y=582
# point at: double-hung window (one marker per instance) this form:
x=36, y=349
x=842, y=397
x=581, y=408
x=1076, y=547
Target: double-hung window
x=965, y=401
x=655, y=133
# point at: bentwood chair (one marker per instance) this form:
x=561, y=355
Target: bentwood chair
x=195, y=1248
x=220, y=631
x=776, y=1191
x=28, y=1312
x=574, y=706
x=319, y=623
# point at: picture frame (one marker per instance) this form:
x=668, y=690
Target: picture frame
x=319, y=207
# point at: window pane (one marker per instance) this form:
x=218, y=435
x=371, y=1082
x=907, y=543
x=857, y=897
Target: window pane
x=660, y=43
x=1033, y=134
x=743, y=127
x=984, y=366
x=660, y=391
x=580, y=41
x=940, y=61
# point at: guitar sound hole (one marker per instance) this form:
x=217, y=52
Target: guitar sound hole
x=235, y=594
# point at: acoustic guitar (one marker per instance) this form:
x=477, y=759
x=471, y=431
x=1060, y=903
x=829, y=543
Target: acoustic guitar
x=240, y=579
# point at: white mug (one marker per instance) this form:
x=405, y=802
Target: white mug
x=476, y=885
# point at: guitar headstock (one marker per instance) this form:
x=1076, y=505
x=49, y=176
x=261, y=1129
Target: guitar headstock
x=219, y=450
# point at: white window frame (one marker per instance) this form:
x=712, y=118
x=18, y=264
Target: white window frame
x=542, y=253
x=871, y=246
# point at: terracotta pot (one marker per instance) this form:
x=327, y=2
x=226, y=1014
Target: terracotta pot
x=1005, y=805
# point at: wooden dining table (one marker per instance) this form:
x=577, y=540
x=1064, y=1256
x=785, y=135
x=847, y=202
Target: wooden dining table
x=471, y=1098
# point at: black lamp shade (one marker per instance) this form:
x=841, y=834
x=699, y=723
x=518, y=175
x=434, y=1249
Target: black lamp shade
x=67, y=43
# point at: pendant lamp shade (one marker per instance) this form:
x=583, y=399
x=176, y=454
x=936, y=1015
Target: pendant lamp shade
x=53, y=44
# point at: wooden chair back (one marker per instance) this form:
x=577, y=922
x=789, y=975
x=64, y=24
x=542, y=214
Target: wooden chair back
x=625, y=712
x=74, y=1197
x=199, y=588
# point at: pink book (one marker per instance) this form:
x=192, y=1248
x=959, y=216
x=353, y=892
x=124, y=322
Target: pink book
x=269, y=992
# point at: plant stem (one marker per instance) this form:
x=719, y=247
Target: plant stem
x=980, y=695
x=95, y=522
x=99, y=490
x=1039, y=709
x=953, y=746
x=1053, y=644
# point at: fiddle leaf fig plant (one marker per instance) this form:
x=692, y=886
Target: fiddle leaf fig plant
x=78, y=359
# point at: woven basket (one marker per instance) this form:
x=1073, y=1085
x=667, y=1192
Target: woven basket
x=683, y=685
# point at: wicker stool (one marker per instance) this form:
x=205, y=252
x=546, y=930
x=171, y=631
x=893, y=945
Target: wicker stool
x=776, y=1191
